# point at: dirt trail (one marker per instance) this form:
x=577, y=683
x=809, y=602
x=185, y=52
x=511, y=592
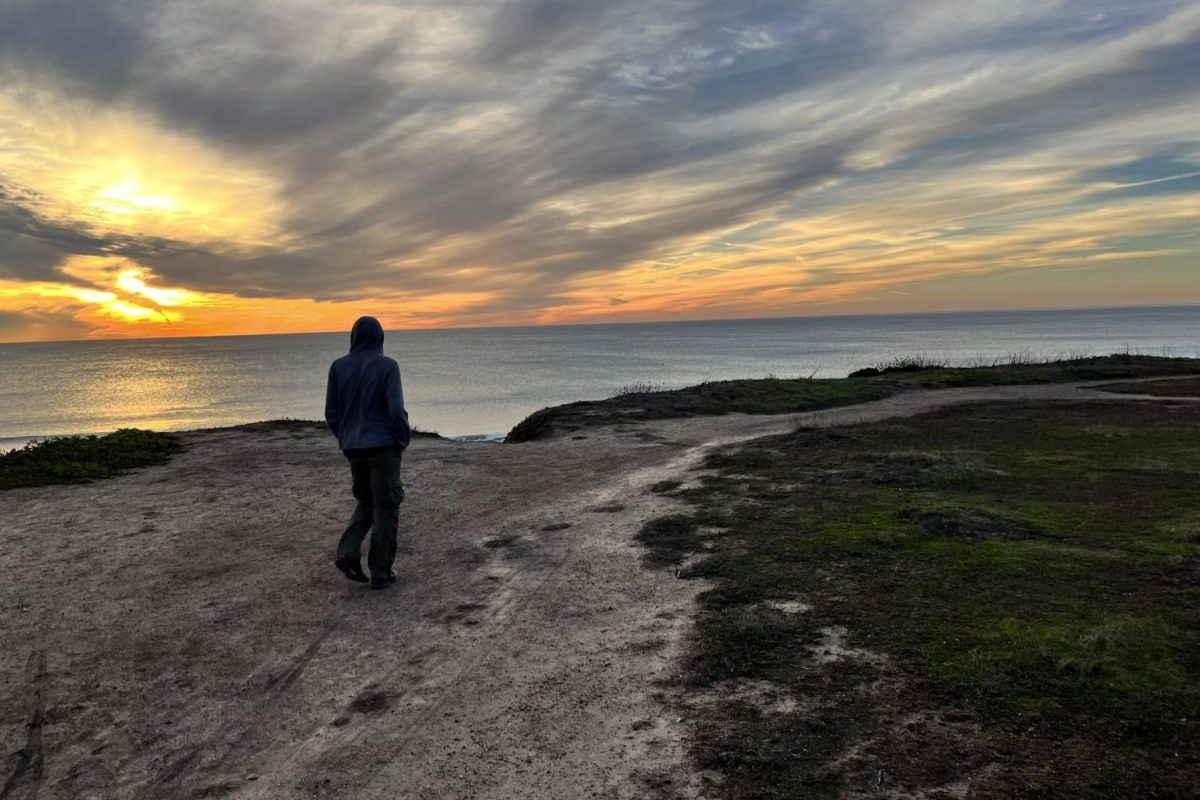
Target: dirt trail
x=180, y=632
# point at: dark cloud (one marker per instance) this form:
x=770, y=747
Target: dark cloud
x=528, y=30
x=93, y=46
x=272, y=98
x=38, y=326
x=31, y=248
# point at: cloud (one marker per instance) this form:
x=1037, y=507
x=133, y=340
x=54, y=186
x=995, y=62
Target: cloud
x=531, y=31
x=534, y=148
x=33, y=326
x=32, y=247
x=91, y=47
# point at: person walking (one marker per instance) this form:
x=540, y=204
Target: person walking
x=364, y=407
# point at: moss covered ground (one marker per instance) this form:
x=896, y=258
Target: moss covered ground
x=1171, y=387
x=1002, y=594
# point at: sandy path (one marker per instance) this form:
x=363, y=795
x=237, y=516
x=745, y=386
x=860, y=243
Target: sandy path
x=180, y=632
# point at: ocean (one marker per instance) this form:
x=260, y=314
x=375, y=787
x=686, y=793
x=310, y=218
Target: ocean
x=480, y=382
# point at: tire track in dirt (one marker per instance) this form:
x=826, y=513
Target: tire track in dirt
x=26, y=777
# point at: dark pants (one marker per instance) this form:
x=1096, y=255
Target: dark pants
x=377, y=489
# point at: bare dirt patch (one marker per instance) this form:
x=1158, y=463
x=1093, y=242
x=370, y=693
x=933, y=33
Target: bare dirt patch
x=207, y=637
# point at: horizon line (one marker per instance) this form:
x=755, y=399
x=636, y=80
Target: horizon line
x=948, y=312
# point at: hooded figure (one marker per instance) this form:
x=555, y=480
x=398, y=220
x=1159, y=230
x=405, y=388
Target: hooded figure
x=364, y=407
x=364, y=401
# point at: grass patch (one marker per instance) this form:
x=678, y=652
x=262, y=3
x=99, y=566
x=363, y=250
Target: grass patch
x=789, y=396
x=1181, y=387
x=671, y=539
x=764, y=396
x=1020, y=583
x=271, y=425
x=742, y=642
x=79, y=459
x=301, y=425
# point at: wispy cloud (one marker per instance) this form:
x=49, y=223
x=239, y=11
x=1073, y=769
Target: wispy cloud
x=549, y=160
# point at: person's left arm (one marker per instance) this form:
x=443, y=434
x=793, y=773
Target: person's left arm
x=397, y=414
x=332, y=416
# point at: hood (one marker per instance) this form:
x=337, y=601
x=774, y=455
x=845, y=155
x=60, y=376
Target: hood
x=366, y=336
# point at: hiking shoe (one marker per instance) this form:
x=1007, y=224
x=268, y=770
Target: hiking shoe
x=381, y=583
x=351, y=569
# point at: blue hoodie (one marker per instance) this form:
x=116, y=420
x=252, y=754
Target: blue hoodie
x=364, y=402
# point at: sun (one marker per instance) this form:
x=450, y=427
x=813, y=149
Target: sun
x=127, y=196
x=133, y=281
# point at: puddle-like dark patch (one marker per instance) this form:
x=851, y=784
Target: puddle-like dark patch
x=609, y=508
x=501, y=541
x=557, y=526
x=340, y=721
x=371, y=702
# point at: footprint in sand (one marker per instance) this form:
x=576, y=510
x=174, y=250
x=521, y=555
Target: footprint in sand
x=501, y=541
x=465, y=613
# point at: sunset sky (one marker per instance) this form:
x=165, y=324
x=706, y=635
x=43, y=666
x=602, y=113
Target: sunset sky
x=255, y=166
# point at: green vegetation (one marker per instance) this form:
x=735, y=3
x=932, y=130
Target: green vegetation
x=1175, y=387
x=298, y=426
x=670, y=539
x=1017, y=586
x=78, y=459
x=766, y=396
x=281, y=424
x=788, y=396
x=1028, y=370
